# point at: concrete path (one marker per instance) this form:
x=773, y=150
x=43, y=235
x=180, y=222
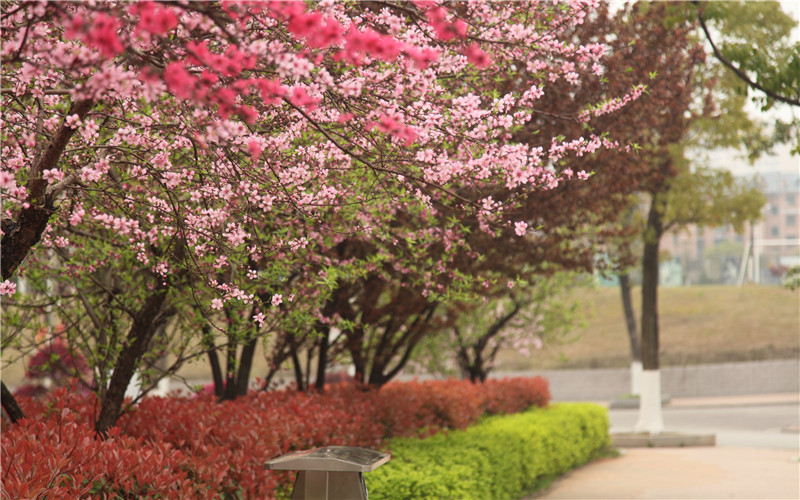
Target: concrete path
x=685, y=473
x=756, y=457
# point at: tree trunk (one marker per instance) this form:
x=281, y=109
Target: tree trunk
x=633, y=334
x=145, y=325
x=21, y=236
x=213, y=360
x=650, y=417
x=245, y=366
x=10, y=405
x=477, y=366
x=298, y=370
x=652, y=239
x=630, y=316
x=229, y=394
x=322, y=359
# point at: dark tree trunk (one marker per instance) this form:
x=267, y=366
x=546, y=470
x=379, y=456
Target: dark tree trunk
x=245, y=366
x=213, y=360
x=630, y=316
x=476, y=366
x=380, y=373
x=21, y=236
x=10, y=405
x=309, y=355
x=322, y=358
x=652, y=238
x=145, y=325
x=298, y=371
x=229, y=394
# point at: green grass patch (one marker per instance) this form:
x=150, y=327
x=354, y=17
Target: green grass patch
x=698, y=324
x=502, y=457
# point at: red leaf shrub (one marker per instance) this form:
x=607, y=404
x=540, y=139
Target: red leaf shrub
x=513, y=395
x=199, y=448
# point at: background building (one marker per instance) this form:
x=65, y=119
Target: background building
x=761, y=254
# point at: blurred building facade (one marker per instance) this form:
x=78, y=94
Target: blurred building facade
x=761, y=254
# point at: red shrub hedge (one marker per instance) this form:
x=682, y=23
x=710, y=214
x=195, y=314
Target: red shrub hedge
x=198, y=448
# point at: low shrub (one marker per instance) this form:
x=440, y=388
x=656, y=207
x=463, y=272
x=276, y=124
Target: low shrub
x=502, y=457
x=199, y=448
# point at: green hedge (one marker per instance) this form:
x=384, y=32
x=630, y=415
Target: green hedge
x=502, y=457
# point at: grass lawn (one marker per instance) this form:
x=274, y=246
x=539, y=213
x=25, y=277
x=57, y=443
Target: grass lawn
x=699, y=324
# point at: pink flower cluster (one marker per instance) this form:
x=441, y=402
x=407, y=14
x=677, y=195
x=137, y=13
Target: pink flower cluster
x=255, y=132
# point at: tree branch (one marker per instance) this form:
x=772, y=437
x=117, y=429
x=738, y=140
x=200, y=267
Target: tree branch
x=737, y=71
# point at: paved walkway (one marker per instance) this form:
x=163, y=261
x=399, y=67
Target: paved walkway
x=685, y=473
x=755, y=465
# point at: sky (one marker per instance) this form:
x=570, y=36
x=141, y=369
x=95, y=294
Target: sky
x=792, y=7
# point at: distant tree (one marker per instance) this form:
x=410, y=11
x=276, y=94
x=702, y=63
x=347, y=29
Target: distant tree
x=527, y=317
x=686, y=194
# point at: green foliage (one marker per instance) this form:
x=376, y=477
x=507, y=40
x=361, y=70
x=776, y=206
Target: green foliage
x=711, y=197
x=535, y=312
x=754, y=37
x=792, y=278
x=500, y=458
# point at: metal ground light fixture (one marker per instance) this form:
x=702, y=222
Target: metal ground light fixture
x=331, y=472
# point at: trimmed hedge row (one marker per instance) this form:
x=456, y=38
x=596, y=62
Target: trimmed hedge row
x=502, y=457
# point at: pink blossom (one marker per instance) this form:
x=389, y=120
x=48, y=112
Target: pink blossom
x=8, y=288
x=154, y=18
x=255, y=147
x=216, y=304
x=7, y=180
x=52, y=175
x=277, y=299
x=477, y=56
x=72, y=121
x=77, y=215
x=89, y=130
x=101, y=35
x=520, y=228
x=445, y=30
x=259, y=318
x=179, y=81
x=300, y=98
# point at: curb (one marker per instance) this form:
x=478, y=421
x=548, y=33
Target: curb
x=633, y=402
x=665, y=440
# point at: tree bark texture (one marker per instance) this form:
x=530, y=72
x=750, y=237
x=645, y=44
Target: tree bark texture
x=630, y=316
x=322, y=358
x=145, y=325
x=245, y=367
x=23, y=234
x=652, y=238
x=10, y=405
x=213, y=360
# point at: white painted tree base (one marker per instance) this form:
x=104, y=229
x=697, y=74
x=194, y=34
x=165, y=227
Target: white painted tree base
x=636, y=378
x=134, y=388
x=650, y=418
